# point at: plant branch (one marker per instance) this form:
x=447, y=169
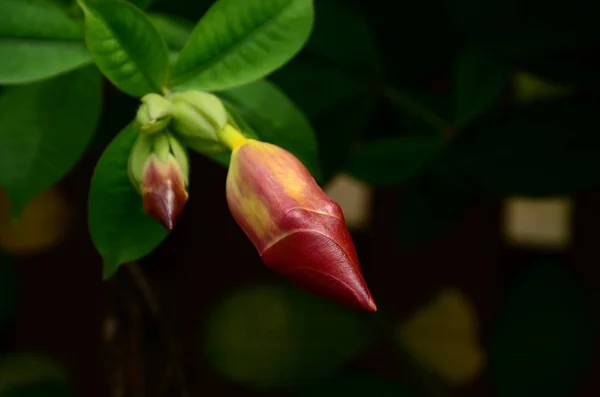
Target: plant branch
x=154, y=308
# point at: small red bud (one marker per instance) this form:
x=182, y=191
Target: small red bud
x=163, y=192
x=159, y=170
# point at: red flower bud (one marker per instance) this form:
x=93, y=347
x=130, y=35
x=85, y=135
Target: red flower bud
x=298, y=231
x=159, y=169
x=163, y=191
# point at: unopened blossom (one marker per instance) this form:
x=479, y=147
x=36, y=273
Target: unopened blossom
x=298, y=231
x=159, y=169
x=154, y=114
x=197, y=119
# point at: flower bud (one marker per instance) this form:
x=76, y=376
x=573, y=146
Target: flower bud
x=298, y=230
x=159, y=170
x=154, y=114
x=198, y=117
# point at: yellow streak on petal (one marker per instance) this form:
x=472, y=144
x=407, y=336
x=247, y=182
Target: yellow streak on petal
x=254, y=211
x=285, y=173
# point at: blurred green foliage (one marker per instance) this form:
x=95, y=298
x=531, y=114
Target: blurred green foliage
x=271, y=336
x=544, y=340
x=450, y=101
x=30, y=375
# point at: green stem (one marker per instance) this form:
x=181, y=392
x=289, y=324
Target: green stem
x=231, y=137
x=404, y=102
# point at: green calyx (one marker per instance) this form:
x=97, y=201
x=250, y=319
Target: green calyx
x=154, y=114
x=194, y=117
x=198, y=117
x=163, y=147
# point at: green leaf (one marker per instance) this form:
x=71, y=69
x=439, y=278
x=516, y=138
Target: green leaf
x=421, y=109
x=343, y=37
x=126, y=46
x=38, y=41
x=276, y=119
x=239, y=41
x=176, y=31
x=44, y=129
x=340, y=128
x=544, y=339
x=393, y=161
x=547, y=148
x=355, y=385
x=120, y=229
x=480, y=80
x=141, y=3
x=339, y=61
x=302, y=78
x=25, y=374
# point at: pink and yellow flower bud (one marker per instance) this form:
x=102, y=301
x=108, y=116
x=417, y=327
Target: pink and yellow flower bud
x=164, y=194
x=159, y=169
x=298, y=231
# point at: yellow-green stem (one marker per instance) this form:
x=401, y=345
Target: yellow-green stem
x=231, y=137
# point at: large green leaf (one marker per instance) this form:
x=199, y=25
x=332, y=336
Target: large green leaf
x=546, y=148
x=126, y=46
x=479, y=80
x=276, y=119
x=355, y=385
x=544, y=339
x=44, y=129
x=239, y=41
x=141, y=3
x=193, y=10
x=176, y=31
x=339, y=130
x=339, y=61
x=120, y=229
x=317, y=87
x=393, y=161
x=38, y=41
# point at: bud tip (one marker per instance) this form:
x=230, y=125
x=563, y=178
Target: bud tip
x=370, y=305
x=165, y=203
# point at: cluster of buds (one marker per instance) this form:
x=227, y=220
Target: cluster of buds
x=297, y=230
x=158, y=163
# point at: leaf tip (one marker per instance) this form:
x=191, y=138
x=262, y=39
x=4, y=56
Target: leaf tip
x=109, y=268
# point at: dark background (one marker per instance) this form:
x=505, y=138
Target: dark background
x=407, y=256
